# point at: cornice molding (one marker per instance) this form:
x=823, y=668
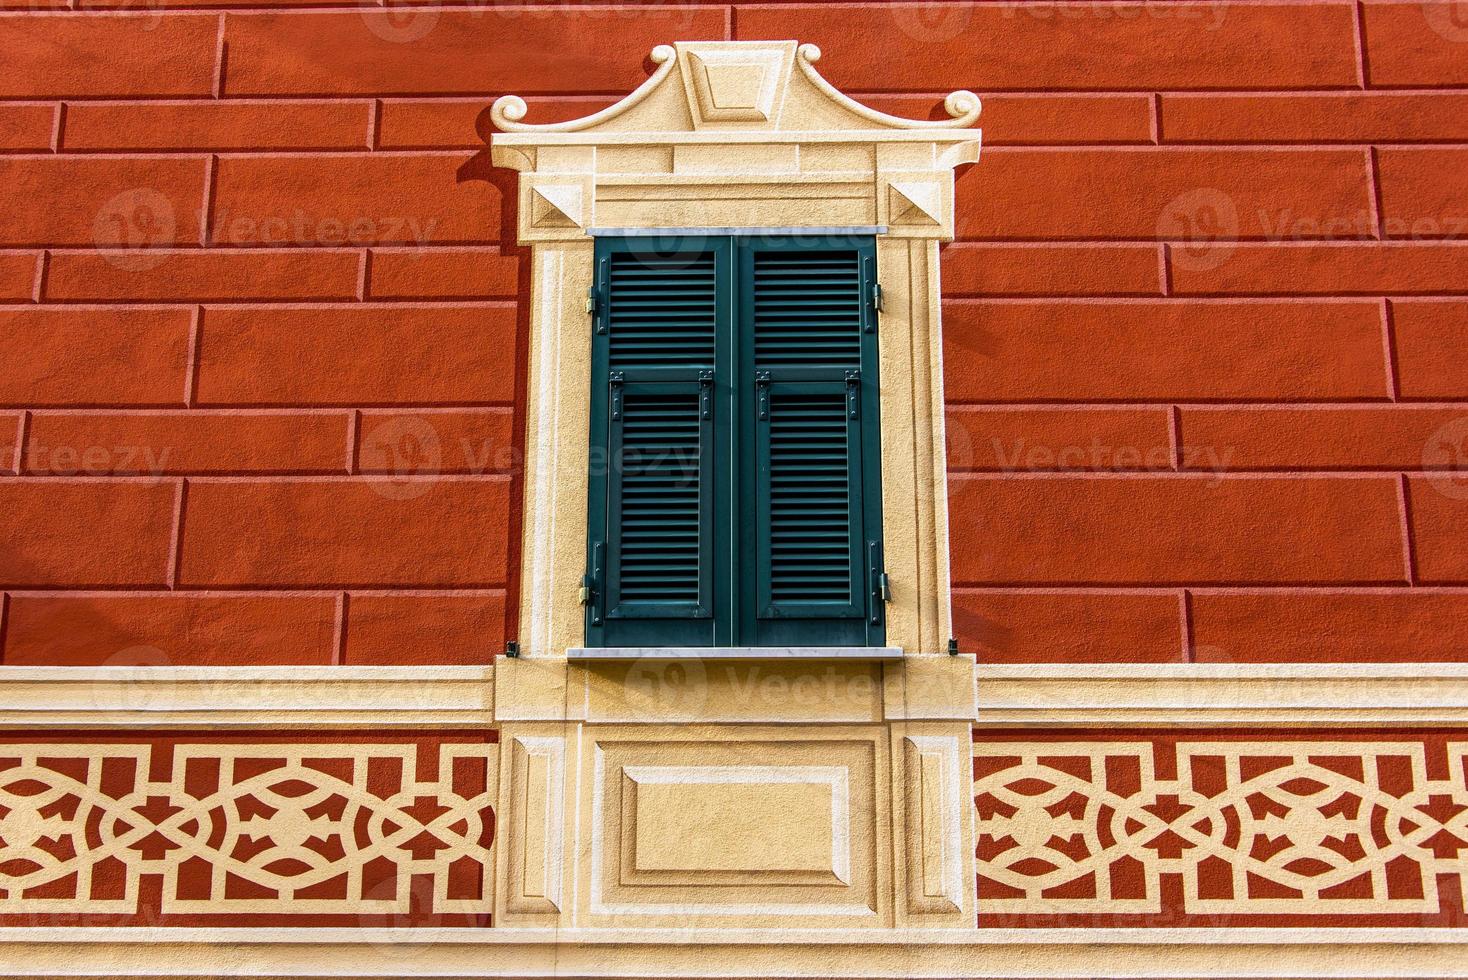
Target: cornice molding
x=508, y=110
x=735, y=133
x=715, y=74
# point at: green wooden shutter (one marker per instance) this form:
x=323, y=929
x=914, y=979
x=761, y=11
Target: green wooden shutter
x=735, y=493
x=812, y=520
x=657, y=326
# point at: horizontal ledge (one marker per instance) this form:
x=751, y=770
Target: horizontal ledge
x=1074, y=695
x=246, y=697
x=694, y=936
x=276, y=672
x=1203, y=694
x=725, y=137
x=875, y=953
x=779, y=231
x=623, y=654
x=1263, y=671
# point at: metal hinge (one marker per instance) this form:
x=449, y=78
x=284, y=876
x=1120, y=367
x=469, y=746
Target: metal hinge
x=877, y=296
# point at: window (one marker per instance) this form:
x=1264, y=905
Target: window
x=735, y=492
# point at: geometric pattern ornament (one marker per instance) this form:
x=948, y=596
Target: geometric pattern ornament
x=1219, y=830
x=352, y=831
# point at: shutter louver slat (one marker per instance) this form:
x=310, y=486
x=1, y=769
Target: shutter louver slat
x=807, y=310
x=662, y=310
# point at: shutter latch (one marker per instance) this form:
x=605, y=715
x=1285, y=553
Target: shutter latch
x=853, y=393
x=591, y=583
x=762, y=394
x=880, y=585
x=617, y=379
x=706, y=394
x=593, y=300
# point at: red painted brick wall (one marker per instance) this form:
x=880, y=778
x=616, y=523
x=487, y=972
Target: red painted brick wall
x=1206, y=324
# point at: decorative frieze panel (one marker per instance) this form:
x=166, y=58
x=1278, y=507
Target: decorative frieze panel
x=933, y=824
x=1220, y=829
x=307, y=829
x=535, y=844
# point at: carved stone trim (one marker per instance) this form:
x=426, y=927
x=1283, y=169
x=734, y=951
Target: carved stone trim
x=551, y=690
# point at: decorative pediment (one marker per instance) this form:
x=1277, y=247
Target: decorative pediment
x=736, y=134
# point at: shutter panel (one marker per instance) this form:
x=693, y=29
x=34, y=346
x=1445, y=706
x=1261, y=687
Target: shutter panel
x=652, y=521
x=815, y=543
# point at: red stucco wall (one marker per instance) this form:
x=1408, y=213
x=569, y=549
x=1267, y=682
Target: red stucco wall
x=1206, y=326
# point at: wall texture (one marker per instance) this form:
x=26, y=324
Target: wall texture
x=264, y=325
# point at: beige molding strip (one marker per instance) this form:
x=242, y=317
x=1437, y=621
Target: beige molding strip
x=955, y=953
x=1223, y=694
x=443, y=697
x=246, y=697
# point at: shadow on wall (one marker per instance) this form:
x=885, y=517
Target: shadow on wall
x=480, y=167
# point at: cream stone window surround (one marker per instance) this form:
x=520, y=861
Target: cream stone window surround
x=736, y=137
